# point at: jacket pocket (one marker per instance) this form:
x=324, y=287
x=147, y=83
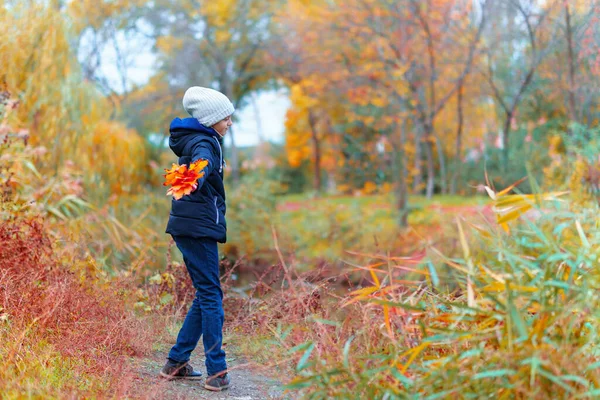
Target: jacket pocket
x=216, y=210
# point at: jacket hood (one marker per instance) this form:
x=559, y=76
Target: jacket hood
x=183, y=131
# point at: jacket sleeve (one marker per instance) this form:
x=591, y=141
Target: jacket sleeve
x=203, y=151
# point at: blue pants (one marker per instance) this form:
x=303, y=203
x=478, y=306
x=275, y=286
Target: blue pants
x=205, y=316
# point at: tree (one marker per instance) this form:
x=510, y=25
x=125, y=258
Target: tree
x=582, y=35
x=107, y=30
x=66, y=118
x=436, y=23
x=386, y=56
x=216, y=44
x=513, y=59
x=291, y=57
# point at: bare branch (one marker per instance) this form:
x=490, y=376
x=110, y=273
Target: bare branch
x=490, y=78
x=468, y=65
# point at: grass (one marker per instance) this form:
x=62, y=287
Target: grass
x=492, y=314
x=327, y=226
x=312, y=229
x=381, y=199
x=521, y=320
x=63, y=332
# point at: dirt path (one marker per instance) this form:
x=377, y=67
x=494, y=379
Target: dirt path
x=247, y=383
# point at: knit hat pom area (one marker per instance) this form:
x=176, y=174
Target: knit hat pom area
x=208, y=106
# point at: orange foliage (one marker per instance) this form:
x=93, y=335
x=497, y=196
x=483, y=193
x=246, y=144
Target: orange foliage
x=369, y=188
x=363, y=84
x=184, y=180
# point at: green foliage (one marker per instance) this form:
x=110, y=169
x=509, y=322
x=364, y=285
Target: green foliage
x=525, y=158
x=290, y=179
x=293, y=180
x=326, y=227
x=575, y=163
x=250, y=210
x=581, y=141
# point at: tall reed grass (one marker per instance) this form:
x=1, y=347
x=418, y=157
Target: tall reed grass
x=521, y=319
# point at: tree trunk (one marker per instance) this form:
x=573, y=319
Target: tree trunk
x=572, y=109
x=235, y=162
x=505, y=142
x=400, y=174
x=430, y=167
x=442, y=161
x=316, y=150
x=458, y=145
x=417, y=166
x=403, y=187
x=234, y=158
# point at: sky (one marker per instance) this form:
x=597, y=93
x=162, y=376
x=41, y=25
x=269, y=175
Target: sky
x=250, y=123
x=271, y=107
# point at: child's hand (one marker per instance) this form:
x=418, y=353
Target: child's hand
x=184, y=180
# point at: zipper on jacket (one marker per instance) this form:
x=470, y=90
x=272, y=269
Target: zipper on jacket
x=217, y=210
x=220, y=155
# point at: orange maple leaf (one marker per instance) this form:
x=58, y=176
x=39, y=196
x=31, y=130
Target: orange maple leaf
x=183, y=179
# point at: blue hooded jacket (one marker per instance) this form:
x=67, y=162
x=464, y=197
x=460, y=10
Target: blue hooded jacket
x=201, y=214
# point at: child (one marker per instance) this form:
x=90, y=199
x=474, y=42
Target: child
x=197, y=223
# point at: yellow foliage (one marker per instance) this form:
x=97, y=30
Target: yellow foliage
x=369, y=188
x=115, y=158
x=219, y=12
x=297, y=127
x=169, y=44
x=386, y=188
x=66, y=116
x=94, y=14
x=35, y=58
x=344, y=188
x=576, y=173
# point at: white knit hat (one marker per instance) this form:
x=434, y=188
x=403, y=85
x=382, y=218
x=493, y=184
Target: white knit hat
x=207, y=105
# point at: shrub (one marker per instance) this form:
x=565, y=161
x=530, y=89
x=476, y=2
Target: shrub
x=575, y=163
x=64, y=327
x=250, y=211
x=65, y=324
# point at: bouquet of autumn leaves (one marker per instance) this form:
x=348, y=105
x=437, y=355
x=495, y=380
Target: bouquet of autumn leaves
x=182, y=179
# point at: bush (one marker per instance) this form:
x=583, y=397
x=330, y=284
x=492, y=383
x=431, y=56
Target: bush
x=575, y=163
x=64, y=327
x=65, y=324
x=251, y=206
x=523, y=155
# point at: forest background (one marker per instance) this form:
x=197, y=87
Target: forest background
x=428, y=227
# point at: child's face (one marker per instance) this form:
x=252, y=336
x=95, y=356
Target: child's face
x=222, y=126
